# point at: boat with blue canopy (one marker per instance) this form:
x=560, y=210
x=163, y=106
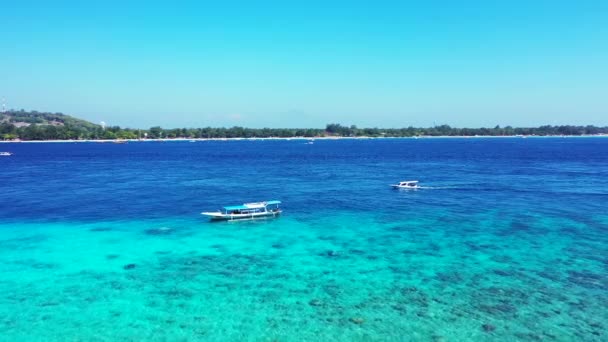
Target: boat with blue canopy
x=246, y=211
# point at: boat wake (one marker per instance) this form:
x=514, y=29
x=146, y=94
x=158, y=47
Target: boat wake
x=442, y=187
x=438, y=187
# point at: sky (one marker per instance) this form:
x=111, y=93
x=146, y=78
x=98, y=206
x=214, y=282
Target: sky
x=308, y=63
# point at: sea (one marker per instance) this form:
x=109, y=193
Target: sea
x=506, y=240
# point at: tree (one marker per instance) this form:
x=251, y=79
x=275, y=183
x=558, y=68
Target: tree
x=155, y=132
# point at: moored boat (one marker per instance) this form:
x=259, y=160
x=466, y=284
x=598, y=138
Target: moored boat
x=246, y=211
x=406, y=185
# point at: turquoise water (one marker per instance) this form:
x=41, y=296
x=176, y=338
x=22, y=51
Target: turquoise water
x=104, y=242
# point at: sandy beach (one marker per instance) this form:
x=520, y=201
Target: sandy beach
x=116, y=141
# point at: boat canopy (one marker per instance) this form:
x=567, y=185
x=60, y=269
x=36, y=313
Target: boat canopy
x=246, y=206
x=236, y=207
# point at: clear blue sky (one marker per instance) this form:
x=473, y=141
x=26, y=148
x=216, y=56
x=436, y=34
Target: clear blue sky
x=308, y=63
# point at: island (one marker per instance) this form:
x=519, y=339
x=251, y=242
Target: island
x=21, y=125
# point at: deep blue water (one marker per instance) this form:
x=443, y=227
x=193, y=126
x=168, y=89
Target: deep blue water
x=86, y=181
x=506, y=241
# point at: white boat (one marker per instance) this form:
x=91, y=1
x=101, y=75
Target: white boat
x=246, y=211
x=406, y=185
x=5, y=154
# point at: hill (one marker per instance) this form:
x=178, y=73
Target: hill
x=22, y=118
x=44, y=126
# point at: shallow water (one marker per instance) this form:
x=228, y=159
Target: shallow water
x=104, y=241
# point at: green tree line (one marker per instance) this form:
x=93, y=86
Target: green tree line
x=54, y=126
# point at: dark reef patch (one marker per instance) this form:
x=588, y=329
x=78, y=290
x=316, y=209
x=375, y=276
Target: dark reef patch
x=488, y=327
x=588, y=279
x=160, y=231
x=330, y=254
x=550, y=274
x=479, y=246
x=101, y=229
x=504, y=273
x=502, y=310
x=505, y=259
x=449, y=277
x=316, y=302
x=27, y=242
x=36, y=264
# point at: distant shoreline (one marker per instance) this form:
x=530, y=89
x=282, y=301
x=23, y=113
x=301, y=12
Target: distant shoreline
x=119, y=141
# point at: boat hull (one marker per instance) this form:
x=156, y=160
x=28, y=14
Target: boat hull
x=234, y=217
x=405, y=187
